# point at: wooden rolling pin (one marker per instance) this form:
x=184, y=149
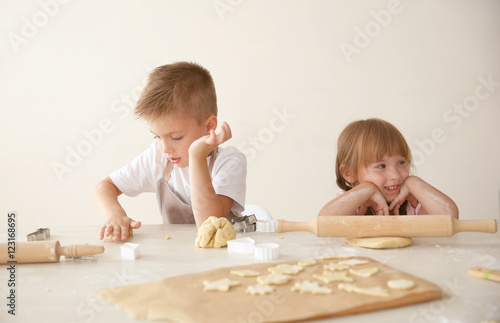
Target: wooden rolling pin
x=45, y=251
x=387, y=226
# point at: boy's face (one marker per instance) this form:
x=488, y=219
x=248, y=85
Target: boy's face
x=175, y=134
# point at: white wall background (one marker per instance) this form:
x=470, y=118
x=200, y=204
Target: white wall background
x=70, y=67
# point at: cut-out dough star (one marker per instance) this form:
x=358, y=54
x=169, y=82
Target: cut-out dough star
x=373, y=291
x=221, y=285
x=364, y=272
x=328, y=277
x=330, y=257
x=259, y=289
x=273, y=279
x=353, y=262
x=311, y=287
x=331, y=266
x=286, y=269
x=307, y=262
x=245, y=273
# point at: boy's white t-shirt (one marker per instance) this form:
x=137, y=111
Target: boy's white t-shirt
x=142, y=174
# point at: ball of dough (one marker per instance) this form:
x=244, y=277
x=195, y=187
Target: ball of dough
x=379, y=242
x=214, y=233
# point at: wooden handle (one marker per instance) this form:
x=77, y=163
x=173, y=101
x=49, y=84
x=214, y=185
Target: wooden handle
x=79, y=250
x=485, y=273
x=387, y=226
x=45, y=251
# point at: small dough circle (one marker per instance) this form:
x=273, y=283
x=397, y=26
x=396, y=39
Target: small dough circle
x=379, y=242
x=401, y=284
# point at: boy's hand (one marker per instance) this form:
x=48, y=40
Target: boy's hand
x=377, y=203
x=404, y=195
x=201, y=147
x=119, y=226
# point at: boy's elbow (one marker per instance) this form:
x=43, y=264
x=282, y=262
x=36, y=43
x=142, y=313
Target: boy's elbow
x=106, y=185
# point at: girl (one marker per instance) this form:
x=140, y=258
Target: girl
x=373, y=170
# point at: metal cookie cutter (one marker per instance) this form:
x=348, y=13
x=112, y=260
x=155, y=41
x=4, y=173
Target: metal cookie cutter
x=245, y=223
x=40, y=234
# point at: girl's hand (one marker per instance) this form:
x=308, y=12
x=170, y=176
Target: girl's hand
x=404, y=195
x=377, y=203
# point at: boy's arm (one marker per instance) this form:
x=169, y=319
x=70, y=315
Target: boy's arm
x=365, y=195
x=204, y=200
x=117, y=222
x=431, y=199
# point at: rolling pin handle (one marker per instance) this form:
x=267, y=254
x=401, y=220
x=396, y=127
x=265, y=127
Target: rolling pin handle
x=80, y=250
x=488, y=226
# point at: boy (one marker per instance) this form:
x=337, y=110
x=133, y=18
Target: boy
x=193, y=178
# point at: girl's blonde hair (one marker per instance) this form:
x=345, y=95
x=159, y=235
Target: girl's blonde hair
x=367, y=141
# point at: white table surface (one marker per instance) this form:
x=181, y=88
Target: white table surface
x=60, y=292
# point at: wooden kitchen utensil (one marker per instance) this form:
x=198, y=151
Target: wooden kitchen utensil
x=179, y=293
x=44, y=251
x=387, y=226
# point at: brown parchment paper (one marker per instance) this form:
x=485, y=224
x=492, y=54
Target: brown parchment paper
x=182, y=299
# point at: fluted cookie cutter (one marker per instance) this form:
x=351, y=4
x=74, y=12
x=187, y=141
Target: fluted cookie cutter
x=38, y=235
x=266, y=251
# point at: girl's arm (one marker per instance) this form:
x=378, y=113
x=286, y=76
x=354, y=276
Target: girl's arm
x=363, y=195
x=431, y=199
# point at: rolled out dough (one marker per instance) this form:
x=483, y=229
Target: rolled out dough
x=379, y=242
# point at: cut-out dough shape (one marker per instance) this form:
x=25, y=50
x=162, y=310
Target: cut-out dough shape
x=372, y=291
x=245, y=273
x=401, y=284
x=328, y=277
x=332, y=257
x=259, y=290
x=307, y=262
x=273, y=279
x=286, y=269
x=221, y=285
x=379, y=242
x=364, y=272
x=332, y=266
x=214, y=233
x=311, y=287
x=353, y=262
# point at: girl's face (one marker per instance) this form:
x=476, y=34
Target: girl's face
x=387, y=174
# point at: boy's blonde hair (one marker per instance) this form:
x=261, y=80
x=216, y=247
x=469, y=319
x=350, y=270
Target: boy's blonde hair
x=367, y=141
x=181, y=88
